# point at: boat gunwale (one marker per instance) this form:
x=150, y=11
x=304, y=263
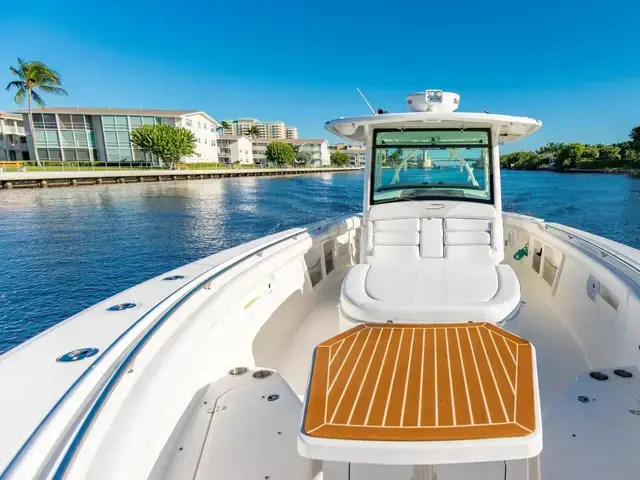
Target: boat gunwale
x=604, y=250
x=553, y=230
x=109, y=381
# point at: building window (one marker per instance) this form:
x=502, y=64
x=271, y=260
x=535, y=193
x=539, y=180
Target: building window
x=117, y=140
x=83, y=154
x=44, y=121
x=188, y=123
x=119, y=155
x=67, y=139
x=65, y=122
x=47, y=138
x=49, y=154
x=78, y=122
x=109, y=122
x=205, y=141
x=115, y=123
x=121, y=122
x=135, y=122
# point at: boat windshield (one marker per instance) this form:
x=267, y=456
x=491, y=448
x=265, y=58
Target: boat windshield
x=430, y=164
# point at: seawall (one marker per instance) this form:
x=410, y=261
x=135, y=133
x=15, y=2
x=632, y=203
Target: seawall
x=69, y=179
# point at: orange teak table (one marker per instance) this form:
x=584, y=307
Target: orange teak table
x=435, y=387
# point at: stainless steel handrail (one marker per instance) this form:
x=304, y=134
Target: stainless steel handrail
x=112, y=377
x=627, y=262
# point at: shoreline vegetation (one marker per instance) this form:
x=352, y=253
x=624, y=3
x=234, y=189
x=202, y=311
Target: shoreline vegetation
x=618, y=158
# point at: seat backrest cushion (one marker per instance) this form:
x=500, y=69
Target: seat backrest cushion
x=395, y=238
x=467, y=240
x=454, y=231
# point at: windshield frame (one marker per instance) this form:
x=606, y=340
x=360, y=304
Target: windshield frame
x=375, y=147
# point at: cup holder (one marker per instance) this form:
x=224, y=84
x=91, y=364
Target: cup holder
x=260, y=374
x=237, y=371
x=622, y=373
x=599, y=376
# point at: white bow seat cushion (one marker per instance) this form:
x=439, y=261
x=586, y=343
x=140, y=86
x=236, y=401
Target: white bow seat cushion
x=429, y=292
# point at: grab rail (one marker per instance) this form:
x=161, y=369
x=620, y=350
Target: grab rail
x=111, y=378
x=604, y=253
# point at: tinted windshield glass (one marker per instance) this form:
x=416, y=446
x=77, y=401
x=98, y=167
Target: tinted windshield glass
x=432, y=164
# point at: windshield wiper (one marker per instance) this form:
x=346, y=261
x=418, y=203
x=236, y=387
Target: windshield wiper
x=394, y=199
x=431, y=195
x=401, y=186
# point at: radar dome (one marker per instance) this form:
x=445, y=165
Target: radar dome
x=433, y=101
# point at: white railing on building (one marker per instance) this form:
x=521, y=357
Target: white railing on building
x=14, y=130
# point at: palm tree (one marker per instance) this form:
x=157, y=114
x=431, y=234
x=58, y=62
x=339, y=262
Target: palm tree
x=224, y=125
x=34, y=76
x=253, y=131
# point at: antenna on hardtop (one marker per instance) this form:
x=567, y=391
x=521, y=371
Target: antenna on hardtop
x=366, y=101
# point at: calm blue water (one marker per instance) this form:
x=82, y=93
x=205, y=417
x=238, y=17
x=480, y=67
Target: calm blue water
x=62, y=250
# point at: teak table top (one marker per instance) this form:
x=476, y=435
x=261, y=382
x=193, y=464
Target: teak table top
x=433, y=382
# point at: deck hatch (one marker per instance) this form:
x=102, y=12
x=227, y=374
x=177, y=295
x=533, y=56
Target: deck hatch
x=391, y=382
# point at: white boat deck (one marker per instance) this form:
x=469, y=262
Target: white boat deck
x=321, y=323
x=537, y=322
x=560, y=359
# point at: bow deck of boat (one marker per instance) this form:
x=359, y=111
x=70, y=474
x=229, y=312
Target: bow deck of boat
x=422, y=382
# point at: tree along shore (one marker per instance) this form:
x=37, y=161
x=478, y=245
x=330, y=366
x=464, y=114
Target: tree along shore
x=618, y=158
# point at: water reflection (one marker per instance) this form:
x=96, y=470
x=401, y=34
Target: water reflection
x=64, y=249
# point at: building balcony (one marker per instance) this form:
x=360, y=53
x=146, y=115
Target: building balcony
x=14, y=130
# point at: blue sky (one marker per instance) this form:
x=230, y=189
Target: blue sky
x=574, y=64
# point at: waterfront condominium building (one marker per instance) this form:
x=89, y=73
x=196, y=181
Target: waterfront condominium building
x=13, y=138
x=291, y=133
x=235, y=149
x=242, y=127
x=318, y=148
x=356, y=153
x=103, y=134
x=246, y=150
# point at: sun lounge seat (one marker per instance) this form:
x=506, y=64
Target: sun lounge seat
x=427, y=264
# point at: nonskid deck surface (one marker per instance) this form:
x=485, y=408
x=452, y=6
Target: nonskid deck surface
x=320, y=324
x=559, y=357
x=559, y=360
x=422, y=382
